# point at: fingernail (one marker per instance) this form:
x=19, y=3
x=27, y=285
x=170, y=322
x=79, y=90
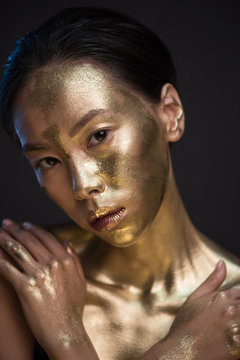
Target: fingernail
x=69, y=249
x=27, y=225
x=219, y=265
x=6, y=222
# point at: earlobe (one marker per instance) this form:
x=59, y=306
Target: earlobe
x=171, y=112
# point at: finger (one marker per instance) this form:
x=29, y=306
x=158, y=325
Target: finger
x=5, y=256
x=46, y=238
x=71, y=251
x=213, y=281
x=28, y=240
x=11, y=274
x=20, y=255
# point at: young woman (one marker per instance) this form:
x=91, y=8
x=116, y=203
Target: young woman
x=90, y=98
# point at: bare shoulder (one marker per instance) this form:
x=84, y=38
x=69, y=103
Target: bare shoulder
x=233, y=269
x=232, y=262
x=80, y=238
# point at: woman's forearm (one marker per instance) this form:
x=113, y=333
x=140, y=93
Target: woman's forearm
x=168, y=349
x=80, y=348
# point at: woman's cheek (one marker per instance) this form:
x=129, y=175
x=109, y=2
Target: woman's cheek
x=108, y=170
x=117, y=169
x=56, y=184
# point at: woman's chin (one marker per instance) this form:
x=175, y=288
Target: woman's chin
x=119, y=238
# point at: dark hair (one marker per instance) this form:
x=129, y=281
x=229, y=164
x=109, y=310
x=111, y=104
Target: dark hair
x=128, y=48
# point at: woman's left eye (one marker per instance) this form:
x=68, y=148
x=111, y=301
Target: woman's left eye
x=47, y=163
x=97, y=137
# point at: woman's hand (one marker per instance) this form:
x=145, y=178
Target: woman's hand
x=207, y=326
x=13, y=326
x=50, y=284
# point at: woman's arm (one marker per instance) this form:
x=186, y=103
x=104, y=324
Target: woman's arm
x=50, y=285
x=16, y=340
x=51, y=289
x=207, y=326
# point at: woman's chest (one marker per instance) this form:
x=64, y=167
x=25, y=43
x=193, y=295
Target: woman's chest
x=123, y=328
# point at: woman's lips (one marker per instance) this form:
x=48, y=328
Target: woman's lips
x=106, y=219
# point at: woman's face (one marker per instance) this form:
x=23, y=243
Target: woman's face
x=97, y=148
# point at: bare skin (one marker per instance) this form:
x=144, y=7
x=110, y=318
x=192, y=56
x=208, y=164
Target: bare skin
x=141, y=265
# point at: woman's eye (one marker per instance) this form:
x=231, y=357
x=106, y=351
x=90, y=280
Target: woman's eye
x=97, y=137
x=47, y=162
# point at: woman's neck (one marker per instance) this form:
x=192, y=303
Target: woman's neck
x=166, y=247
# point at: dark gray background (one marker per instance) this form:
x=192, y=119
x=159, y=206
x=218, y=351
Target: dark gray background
x=203, y=37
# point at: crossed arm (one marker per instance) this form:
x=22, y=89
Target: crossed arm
x=50, y=286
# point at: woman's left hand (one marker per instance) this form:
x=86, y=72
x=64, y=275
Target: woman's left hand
x=49, y=281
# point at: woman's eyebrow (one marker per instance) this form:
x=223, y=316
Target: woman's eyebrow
x=33, y=147
x=85, y=119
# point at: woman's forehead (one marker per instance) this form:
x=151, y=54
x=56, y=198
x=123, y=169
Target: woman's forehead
x=48, y=85
x=63, y=94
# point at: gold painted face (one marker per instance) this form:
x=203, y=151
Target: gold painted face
x=97, y=148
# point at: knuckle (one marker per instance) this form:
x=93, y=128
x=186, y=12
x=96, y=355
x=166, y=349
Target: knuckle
x=12, y=246
x=222, y=295
x=31, y=281
x=229, y=311
x=53, y=264
x=67, y=261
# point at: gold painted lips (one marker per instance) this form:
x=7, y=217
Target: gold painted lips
x=101, y=212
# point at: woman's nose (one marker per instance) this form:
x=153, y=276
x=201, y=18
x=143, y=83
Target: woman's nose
x=87, y=182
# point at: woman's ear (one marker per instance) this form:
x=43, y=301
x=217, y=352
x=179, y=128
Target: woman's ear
x=171, y=113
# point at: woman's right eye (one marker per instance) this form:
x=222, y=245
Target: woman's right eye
x=47, y=163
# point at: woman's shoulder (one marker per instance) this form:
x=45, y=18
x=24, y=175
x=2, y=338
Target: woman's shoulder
x=232, y=262
x=80, y=238
x=233, y=269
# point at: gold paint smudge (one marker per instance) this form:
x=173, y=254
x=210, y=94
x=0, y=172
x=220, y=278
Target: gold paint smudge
x=185, y=349
x=52, y=135
x=16, y=250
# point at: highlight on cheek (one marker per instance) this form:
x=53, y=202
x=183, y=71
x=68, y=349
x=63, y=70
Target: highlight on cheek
x=110, y=169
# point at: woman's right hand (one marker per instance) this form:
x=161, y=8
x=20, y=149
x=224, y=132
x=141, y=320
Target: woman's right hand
x=207, y=326
x=50, y=285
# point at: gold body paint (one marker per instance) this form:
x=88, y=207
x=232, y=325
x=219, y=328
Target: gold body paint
x=233, y=343
x=185, y=349
x=16, y=250
x=140, y=271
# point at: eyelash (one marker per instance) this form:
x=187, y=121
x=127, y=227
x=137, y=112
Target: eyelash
x=89, y=145
x=40, y=166
x=105, y=131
